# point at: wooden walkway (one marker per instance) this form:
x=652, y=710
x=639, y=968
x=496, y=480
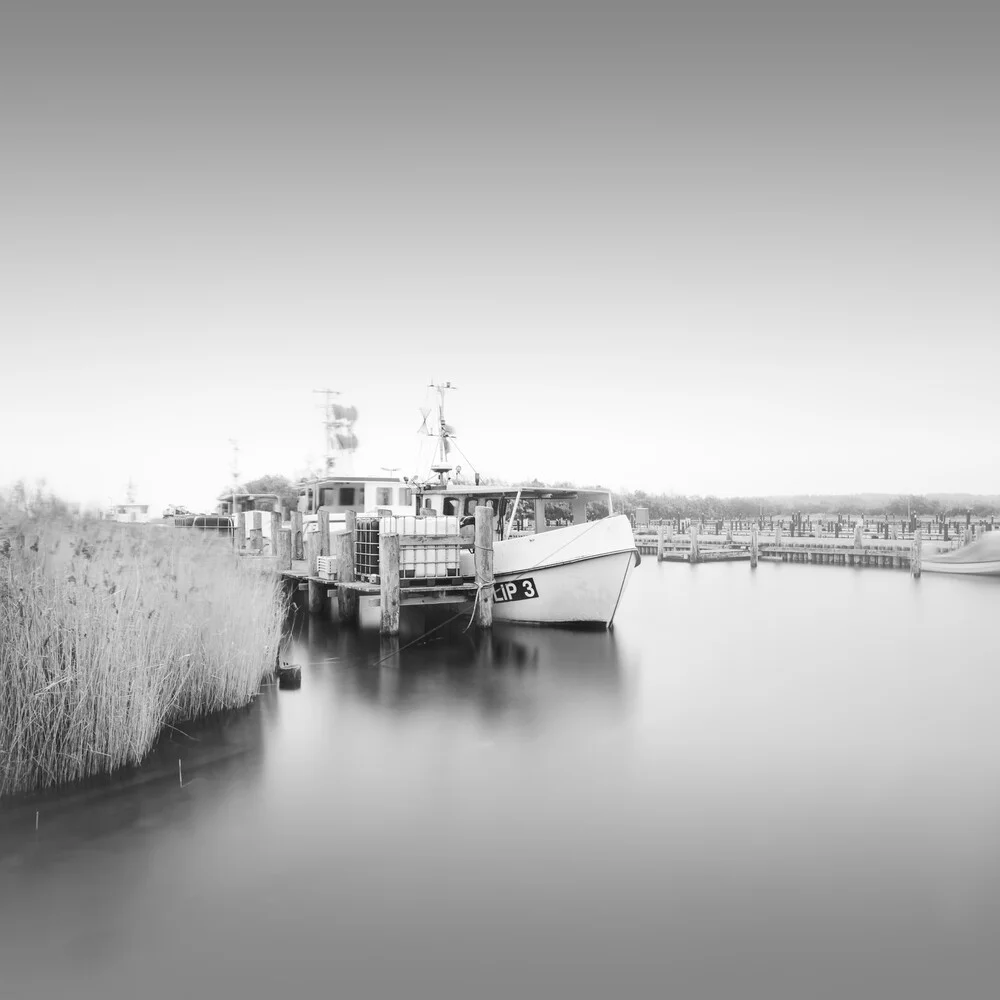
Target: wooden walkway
x=417, y=593
x=842, y=551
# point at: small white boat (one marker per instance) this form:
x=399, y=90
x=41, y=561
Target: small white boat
x=978, y=558
x=572, y=575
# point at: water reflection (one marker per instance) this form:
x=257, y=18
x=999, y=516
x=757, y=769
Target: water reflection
x=510, y=673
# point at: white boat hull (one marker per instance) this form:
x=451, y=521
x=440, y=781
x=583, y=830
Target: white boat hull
x=575, y=575
x=978, y=558
x=986, y=567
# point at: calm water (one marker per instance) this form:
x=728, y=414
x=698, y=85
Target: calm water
x=781, y=783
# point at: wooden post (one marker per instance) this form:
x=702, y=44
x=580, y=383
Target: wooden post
x=388, y=570
x=777, y=533
x=916, y=553
x=256, y=533
x=483, y=559
x=659, y=543
x=312, y=551
x=285, y=548
x=297, y=543
x=347, y=599
x=351, y=527
x=275, y=528
x=317, y=596
x=694, y=543
x=857, y=536
x=729, y=534
x=754, y=546
x=323, y=523
x=241, y=531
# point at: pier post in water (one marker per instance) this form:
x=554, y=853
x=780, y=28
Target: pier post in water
x=777, y=533
x=484, y=566
x=754, y=544
x=347, y=599
x=660, y=532
x=857, y=536
x=284, y=543
x=916, y=551
x=312, y=551
x=275, y=529
x=388, y=569
x=316, y=596
x=694, y=543
x=323, y=523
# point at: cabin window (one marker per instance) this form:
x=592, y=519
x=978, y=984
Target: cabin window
x=346, y=496
x=326, y=498
x=451, y=507
x=383, y=496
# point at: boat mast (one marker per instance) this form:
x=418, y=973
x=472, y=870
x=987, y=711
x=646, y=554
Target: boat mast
x=440, y=465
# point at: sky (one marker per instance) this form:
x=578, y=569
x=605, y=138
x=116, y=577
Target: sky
x=717, y=249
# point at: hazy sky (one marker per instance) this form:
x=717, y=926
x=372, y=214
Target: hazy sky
x=730, y=251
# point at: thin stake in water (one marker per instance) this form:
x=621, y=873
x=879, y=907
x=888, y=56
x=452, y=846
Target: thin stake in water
x=180, y=773
x=36, y=821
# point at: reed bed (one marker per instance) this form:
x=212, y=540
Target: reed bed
x=110, y=632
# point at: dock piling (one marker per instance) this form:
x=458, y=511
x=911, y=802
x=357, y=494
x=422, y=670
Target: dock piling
x=284, y=548
x=275, y=529
x=312, y=552
x=754, y=546
x=389, y=598
x=916, y=552
x=484, y=566
x=347, y=599
x=323, y=523
x=316, y=596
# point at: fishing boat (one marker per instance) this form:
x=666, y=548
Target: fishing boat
x=978, y=558
x=561, y=556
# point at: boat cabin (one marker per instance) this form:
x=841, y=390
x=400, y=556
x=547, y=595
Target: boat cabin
x=337, y=495
x=247, y=502
x=517, y=510
x=129, y=513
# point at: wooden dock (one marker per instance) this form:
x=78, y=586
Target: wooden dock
x=303, y=562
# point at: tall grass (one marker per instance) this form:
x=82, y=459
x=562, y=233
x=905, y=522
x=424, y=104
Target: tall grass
x=110, y=632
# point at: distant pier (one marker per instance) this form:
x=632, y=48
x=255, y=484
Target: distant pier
x=883, y=544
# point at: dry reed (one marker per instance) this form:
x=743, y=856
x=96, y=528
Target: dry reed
x=110, y=632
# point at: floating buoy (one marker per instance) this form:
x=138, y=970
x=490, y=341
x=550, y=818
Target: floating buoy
x=289, y=676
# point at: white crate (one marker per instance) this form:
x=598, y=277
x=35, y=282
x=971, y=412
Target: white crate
x=326, y=567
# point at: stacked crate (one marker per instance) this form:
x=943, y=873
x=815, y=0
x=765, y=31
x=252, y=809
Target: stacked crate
x=326, y=567
x=418, y=563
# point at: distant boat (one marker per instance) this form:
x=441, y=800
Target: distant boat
x=978, y=558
